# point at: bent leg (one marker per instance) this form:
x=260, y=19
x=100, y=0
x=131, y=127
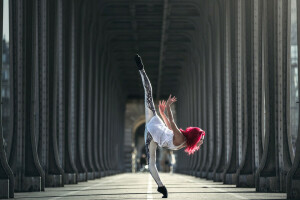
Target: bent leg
x=151, y=158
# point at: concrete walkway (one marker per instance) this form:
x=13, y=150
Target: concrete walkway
x=142, y=186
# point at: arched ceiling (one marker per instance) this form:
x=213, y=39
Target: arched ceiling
x=161, y=31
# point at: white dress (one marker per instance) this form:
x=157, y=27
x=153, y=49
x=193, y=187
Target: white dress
x=161, y=134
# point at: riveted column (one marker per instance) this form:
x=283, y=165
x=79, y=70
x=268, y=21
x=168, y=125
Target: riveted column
x=227, y=89
x=71, y=172
x=285, y=150
x=293, y=177
x=88, y=68
x=87, y=77
x=101, y=117
x=193, y=158
x=210, y=109
x=96, y=109
x=221, y=89
x=203, y=78
x=105, y=113
x=23, y=157
x=215, y=96
x=54, y=174
x=267, y=176
x=245, y=173
x=80, y=138
x=199, y=100
x=6, y=174
x=235, y=24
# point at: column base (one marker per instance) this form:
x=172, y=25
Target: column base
x=218, y=177
x=103, y=173
x=194, y=173
x=109, y=173
x=70, y=178
x=54, y=180
x=82, y=177
x=31, y=184
x=97, y=175
x=230, y=179
x=203, y=175
x=198, y=174
x=4, y=185
x=247, y=181
x=210, y=176
x=294, y=192
x=283, y=177
x=90, y=176
x=268, y=184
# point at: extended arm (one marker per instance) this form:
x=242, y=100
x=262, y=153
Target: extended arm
x=174, y=127
x=166, y=120
x=171, y=119
x=162, y=106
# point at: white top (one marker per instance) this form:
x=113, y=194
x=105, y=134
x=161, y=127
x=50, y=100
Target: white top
x=161, y=134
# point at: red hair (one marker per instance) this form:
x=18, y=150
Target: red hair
x=193, y=135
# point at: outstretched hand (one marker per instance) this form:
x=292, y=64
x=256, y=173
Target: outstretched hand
x=162, y=106
x=171, y=100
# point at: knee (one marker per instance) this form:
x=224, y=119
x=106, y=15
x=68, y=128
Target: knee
x=151, y=168
x=151, y=163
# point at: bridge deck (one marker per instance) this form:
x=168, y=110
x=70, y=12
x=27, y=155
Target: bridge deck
x=142, y=186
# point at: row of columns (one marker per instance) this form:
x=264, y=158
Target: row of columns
x=236, y=88
x=67, y=118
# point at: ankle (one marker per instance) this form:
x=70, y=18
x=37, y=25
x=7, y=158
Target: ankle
x=139, y=62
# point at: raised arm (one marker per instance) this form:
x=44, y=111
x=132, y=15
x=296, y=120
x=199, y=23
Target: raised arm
x=162, y=106
x=174, y=127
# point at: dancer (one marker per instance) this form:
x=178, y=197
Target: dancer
x=165, y=135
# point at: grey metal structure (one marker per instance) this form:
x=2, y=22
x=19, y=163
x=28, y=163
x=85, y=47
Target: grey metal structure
x=72, y=70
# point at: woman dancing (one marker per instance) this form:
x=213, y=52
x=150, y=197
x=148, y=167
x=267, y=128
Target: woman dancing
x=165, y=135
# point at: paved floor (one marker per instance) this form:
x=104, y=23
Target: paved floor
x=142, y=186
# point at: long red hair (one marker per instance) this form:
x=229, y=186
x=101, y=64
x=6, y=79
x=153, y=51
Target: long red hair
x=193, y=135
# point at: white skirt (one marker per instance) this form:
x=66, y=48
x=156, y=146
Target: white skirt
x=160, y=133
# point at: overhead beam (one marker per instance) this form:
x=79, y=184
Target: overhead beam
x=133, y=24
x=162, y=43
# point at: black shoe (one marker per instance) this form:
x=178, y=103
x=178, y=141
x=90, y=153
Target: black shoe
x=163, y=190
x=139, y=62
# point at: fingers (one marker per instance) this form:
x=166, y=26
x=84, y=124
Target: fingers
x=164, y=103
x=171, y=100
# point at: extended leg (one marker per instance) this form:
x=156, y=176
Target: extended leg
x=149, y=104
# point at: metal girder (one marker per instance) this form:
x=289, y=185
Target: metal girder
x=70, y=169
x=220, y=92
x=229, y=176
x=293, y=175
x=267, y=176
x=6, y=174
x=162, y=45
